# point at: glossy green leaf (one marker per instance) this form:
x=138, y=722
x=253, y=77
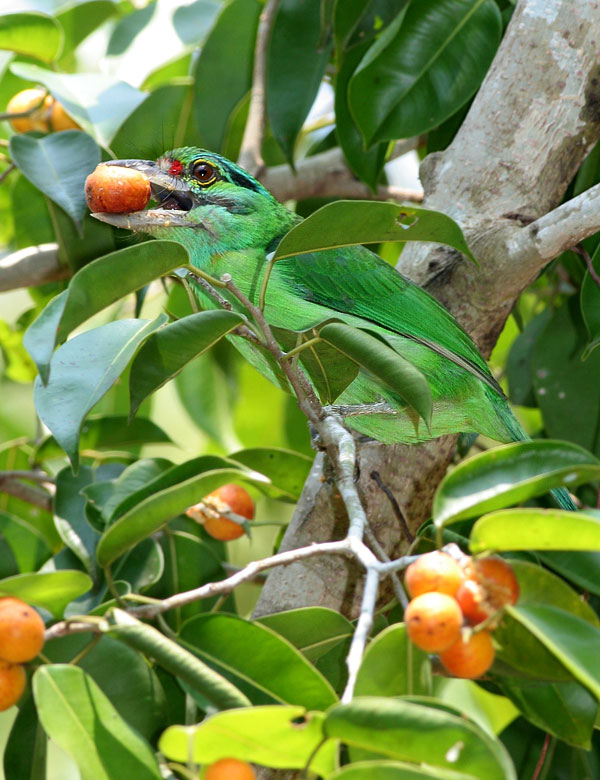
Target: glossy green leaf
x=69, y=515
x=81, y=19
x=34, y=34
x=27, y=544
x=25, y=754
x=108, y=432
x=393, y=666
x=51, y=591
x=491, y=711
x=535, y=529
x=98, y=103
x=393, y=770
x=287, y=470
x=95, y=287
x=296, y=61
x=78, y=716
x=564, y=384
x=231, y=40
x=518, y=363
x=516, y=645
x=58, y=164
x=384, y=363
x=152, y=513
x=32, y=218
x=413, y=732
x=79, y=244
x=238, y=648
x=367, y=164
x=423, y=67
x=566, y=710
x=579, y=567
x=348, y=222
x=122, y=673
x=168, y=350
x=193, y=20
x=510, y=474
x=313, y=630
x=271, y=736
x=573, y=641
x=82, y=371
x=590, y=305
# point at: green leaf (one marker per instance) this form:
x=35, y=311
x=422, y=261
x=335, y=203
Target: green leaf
x=77, y=715
x=25, y=755
x=535, y=529
x=82, y=371
x=567, y=710
x=510, y=474
x=78, y=21
x=590, y=305
x=313, y=630
x=564, y=385
x=231, y=40
x=153, y=512
x=417, y=733
x=95, y=287
x=69, y=516
x=518, y=363
x=366, y=164
x=348, y=222
x=79, y=244
x=171, y=348
x=237, y=649
x=296, y=61
x=58, y=164
x=108, y=432
x=579, y=567
x=384, y=363
x=573, y=641
x=393, y=666
x=423, y=67
x=27, y=544
x=286, y=470
x=271, y=736
x=393, y=770
x=33, y=34
x=51, y=591
x=98, y=103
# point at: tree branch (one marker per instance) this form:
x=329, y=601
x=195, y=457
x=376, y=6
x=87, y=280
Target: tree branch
x=250, y=156
x=31, y=267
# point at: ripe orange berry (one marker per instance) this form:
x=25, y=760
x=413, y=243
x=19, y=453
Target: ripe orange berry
x=25, y=100
x=12, y=684
x=21, y=631
x=472, y=601
x=469, y=659
x=59, y=119
x=115, y=190
x=227, y=498
x=229, y=769
x=434, y=571
x=433, y=621
x=498, y=579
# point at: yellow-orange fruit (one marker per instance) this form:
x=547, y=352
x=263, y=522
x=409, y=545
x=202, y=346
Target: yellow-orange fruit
x=59, y=119
x=115, y=190
x=227, y=498
x=491, y=585
x=469, y=659
x=472, y=601
x=24, y=101
x=433, y=621
x=12, y=684
x=434, y=571
x=21, y=631
x=229, y=769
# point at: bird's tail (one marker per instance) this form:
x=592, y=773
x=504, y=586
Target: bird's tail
x=560, y=495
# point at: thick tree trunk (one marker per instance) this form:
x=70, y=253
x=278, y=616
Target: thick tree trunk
x=533, y=121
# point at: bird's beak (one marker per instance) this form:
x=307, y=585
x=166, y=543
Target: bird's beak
x=172, y=194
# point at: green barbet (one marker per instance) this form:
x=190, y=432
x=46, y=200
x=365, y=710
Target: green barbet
x=230, y=224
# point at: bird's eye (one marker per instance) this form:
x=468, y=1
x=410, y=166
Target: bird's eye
x=204, y=172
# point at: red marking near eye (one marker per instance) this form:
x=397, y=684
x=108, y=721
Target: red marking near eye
x=176, y=168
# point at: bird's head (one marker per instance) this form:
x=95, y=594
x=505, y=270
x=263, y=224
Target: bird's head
x=205, y=202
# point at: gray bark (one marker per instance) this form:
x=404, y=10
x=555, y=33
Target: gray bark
x=532, y=123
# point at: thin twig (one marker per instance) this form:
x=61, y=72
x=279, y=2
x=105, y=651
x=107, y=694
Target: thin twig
x=373, y=541
x=542, y=758
x=6, y=172
x=395, y=506
x=32, y=476
x=580, y=250
x=250, y=156
x=28, y=493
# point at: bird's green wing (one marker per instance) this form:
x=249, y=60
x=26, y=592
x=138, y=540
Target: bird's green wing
x=354, y=280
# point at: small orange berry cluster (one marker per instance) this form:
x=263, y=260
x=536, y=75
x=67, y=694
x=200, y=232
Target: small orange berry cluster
x=212, y=511
x=21, y=639
x=449, y=596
